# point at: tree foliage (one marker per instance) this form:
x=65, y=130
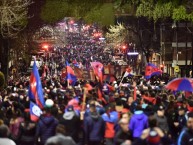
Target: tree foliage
x=164, y=9
x=51, y=12
x=90, y=10
x=13, y=16
x=117, y=34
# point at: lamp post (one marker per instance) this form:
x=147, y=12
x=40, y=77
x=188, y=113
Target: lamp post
x=186, y=55
x=174, y=26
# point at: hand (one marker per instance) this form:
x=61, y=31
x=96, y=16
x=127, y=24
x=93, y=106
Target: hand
x=145, y=134
x=127, y=142
x=159, y=131
x=176, y=124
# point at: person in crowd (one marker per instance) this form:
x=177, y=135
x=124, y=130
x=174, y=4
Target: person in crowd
x=138, y=122
x=153, y=135
x=71, y=123
x=14, y=125
x=162, y=120
x=172, y=120
x=94, y=127
x=46, y=126
x=186, y=135
x=124, y=135
x=181, y=118
x=4, y=133
x=60, y=138
x=27, y=131
x=110, y=119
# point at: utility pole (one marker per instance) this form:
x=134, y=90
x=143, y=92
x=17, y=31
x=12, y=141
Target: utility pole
x=186, y=54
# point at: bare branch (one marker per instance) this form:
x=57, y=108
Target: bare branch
x=13, y=14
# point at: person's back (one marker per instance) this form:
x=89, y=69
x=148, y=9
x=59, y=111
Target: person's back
x=138, y=122
x=72, y=124
x=4, y=140
x=60, y=140
x=94, y=127
x=186, y=136
x=46, y=127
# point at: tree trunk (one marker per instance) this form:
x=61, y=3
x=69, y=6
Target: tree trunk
x=4, y=54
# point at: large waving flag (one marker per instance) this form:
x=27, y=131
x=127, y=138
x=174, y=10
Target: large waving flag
x=35, y=88
x=98, y=70
x=35, y=112
x=71, y=78
x=78, y=73
x=151, y=70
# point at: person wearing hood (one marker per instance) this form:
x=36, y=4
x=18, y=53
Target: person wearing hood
x=60, y=138
x=71, y=122
x=138, y=122
x=94, y=127
x=110, y=119
x=46, y=126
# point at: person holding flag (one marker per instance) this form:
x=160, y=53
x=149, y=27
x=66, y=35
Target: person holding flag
x=98, y=70
x=126, y=74
x=35, y=87
x=151, y=70
x=71, y=78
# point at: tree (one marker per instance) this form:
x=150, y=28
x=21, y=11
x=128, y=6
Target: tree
x=13, y=16
x=90, y=10
x=177, y=10
x=13, y=19
x=117, y=34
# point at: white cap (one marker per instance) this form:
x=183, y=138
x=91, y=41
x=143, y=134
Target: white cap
x=49, y=103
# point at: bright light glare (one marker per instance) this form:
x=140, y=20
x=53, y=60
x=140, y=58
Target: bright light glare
x=132, y=53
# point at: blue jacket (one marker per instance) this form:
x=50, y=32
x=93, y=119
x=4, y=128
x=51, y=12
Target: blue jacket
x=110, y=122
x=185, y=137
x=46, y=128
x=138, y=122
x=94, y=127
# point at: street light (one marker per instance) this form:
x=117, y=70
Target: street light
x=45, y=47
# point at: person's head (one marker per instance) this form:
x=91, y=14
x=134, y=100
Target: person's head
x=125, y=115
x=4, y=131
x=181, y=110
x=60, y=140
x=124, y=124
x=190, y=121
x=138, y=107
x=152, y=121
x=92, y=107
x=160, y=111
x=60, y=129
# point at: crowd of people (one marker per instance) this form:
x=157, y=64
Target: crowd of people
x=155, y=117
x=141, y=112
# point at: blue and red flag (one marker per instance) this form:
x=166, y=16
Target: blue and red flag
x=151, y=70
x=71, y=78
x=98, y=70
x=128, y=72
x=35, y=87
x=76, y=64
x=35, y=112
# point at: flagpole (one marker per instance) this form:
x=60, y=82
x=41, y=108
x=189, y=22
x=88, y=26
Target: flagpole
x=93, y=72
x=122, y=79
x=83, y=104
